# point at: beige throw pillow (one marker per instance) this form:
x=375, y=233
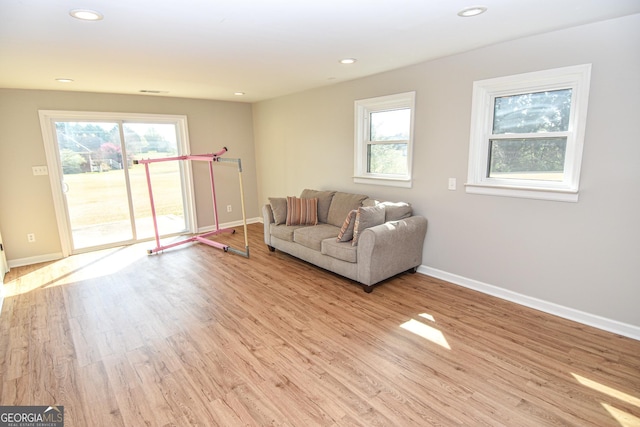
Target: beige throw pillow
x=279, y=209
x=367, y=217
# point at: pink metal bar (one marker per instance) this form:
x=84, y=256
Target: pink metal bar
x=171, y=245
x=201, y=157
x=218, y=231
x=205, y=158
x=202, y=238
x=211, y=243
x=213, y=195
x=162, y=159
x=153, y=206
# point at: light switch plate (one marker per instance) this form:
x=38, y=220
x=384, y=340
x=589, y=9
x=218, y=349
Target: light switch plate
x=452, y=183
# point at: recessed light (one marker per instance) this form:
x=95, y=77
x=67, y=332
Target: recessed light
x=238, y=93
x=468, y=12
x=348, y=61
x=86, y=14
x=64, y=80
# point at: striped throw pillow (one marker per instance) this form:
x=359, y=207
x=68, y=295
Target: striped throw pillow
x=346, y=231
x=302, y=211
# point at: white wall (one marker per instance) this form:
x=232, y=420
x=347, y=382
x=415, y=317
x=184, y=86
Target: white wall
x=581, y=256
x=26, y=203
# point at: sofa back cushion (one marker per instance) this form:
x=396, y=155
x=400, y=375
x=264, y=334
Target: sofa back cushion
x=341, y=205
x=324, y=202
x=394, y=211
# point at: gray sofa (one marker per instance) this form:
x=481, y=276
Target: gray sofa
x=388, y=237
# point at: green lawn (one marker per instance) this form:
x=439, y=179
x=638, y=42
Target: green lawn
x=100, y=197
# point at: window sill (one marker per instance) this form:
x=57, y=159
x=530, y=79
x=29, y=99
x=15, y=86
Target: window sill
x=389, y=182
x=557, y=195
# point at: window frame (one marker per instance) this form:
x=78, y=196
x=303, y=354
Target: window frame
x=363, y=110
x=485, y=92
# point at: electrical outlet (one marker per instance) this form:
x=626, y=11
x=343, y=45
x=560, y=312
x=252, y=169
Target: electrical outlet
x=229, y=208
x=31, y=237
x=40, y=170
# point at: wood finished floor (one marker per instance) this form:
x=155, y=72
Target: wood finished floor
x=197, y=336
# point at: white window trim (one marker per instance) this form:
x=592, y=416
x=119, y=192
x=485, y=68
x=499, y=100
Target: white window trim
x=363, y=108
x=48, y=117
x=484, y=93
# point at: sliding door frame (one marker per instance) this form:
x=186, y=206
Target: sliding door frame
x=47, y=125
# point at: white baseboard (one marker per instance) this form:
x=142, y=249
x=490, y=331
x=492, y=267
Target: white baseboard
x=229, y=225
x=34, y=259
x=596, y=321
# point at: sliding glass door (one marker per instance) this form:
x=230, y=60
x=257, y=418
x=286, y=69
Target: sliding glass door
x=104, y=193
x=94, y=181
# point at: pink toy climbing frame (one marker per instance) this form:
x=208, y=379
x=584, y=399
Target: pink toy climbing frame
x=204, y=237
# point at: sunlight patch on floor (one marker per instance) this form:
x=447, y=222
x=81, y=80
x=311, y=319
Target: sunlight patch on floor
x=74, y=269
x=427, y=316
x=617, y=394
x=623, y=418
x=425, y=331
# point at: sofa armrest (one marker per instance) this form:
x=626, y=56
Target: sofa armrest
x=267, y=220
x=391, y=248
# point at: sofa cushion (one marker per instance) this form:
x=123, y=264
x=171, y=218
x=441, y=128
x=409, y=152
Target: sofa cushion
x=284, y=232
x=343, y=251
x=394, y=211
x=341, y=205
x=324, y=201
x=367, y=217
x=312, y=237
x=279, y=209
x=302, y=211
x=346, y=231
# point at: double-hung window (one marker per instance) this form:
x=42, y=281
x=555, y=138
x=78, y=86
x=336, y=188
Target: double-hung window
x=384, y=140
x=527, y=134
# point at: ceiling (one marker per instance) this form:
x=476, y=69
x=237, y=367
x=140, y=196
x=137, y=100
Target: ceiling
x=211, y=49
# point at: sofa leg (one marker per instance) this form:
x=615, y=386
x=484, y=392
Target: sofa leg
x=367, y=289
x=271, y=248
x=413, y=270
